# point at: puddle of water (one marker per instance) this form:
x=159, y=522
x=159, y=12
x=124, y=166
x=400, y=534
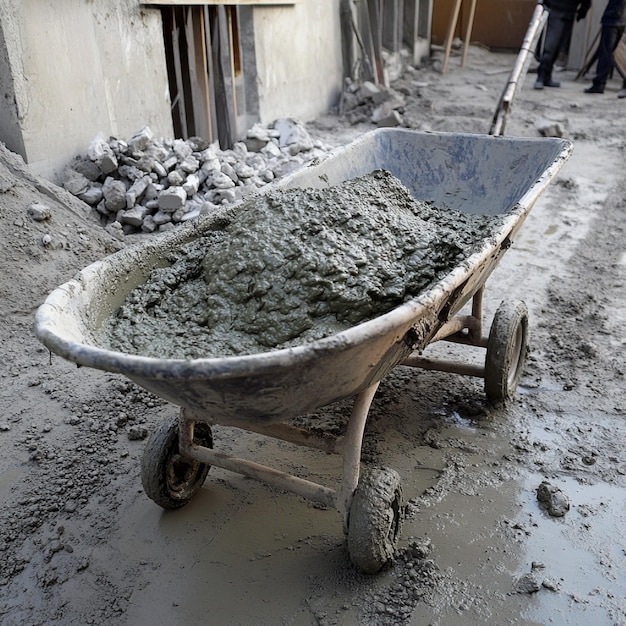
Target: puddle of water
x=583, y=552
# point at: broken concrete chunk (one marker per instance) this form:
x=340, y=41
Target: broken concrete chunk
x=115, y=230
x=141, y=140
x=161, y=217
x=134, y=216
x=93, y=195
x=190, y=165
x=258, y=132
x=107, y=164
x=242, y=170
x=101, y=153
x=393, y=119
x=75, y=182
x=114, y=192
x=87, y=168
x=550, y=128
x=219, y=180
x=229, y=170
x=182, y=149
x=148, y=225
x=159, y=170
x=175, y=178
x=172, y=199
x=39, y=212
x=527, y=583
x=293, y=135
x=553, y=499
x=152, y=191
x=191, y=185
x=367, y=90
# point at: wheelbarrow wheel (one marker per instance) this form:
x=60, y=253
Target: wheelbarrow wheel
x=507, y=349
x=168, y=478
x=375, y=519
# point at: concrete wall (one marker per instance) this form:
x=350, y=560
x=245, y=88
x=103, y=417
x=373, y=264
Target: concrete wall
x=79, y=67
x=299, y=59
x=70, y=69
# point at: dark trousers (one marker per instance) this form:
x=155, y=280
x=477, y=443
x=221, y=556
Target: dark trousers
x=609, y=38
x=557, y=34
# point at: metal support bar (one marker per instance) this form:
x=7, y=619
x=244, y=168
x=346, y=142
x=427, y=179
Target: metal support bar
x=454, y=367
x=268, y=475
x=476, y=331
x=454, y=326
x=293, y=434
x=352, y=451
x=350, y=445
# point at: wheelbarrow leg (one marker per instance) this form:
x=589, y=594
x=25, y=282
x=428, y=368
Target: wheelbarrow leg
x=353, y=443
x=475, y=332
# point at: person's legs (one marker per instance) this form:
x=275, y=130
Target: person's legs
x=609, y=38
x=556, y=32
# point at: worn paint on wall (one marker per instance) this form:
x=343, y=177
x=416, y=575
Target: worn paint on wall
x=80, y=68
x=299, y=59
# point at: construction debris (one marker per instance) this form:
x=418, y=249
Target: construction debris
x=149, y=184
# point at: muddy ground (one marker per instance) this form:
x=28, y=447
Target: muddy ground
x=82, y=544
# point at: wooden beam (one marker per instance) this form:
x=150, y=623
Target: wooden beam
x=220, y=2
x=452, y=29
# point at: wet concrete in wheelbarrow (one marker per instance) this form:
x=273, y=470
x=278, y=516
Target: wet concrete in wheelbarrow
x=81, y=544
x=293, y=266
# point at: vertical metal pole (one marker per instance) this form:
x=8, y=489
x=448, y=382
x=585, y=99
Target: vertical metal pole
x=476, y=333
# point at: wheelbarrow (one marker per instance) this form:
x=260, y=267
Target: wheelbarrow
x=478, y=174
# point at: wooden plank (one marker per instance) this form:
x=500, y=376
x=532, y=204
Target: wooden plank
x=226, y=64
x=211, y=103
x=364, y=35
x=454, y=18
x=178, y=68
x=376, y=32
x=220, y=2
x=468, y=32
x=197, y=73
x=223, y=97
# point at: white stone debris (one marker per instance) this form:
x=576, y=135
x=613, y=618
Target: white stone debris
x=39, y=212
x=149, y=184
x=363, y=102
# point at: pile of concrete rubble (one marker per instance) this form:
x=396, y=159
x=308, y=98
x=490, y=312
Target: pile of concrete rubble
x=365, y=102
x=149, y=184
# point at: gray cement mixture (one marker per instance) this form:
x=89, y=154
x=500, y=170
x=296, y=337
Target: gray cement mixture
x=294, y=266
x=80, y=542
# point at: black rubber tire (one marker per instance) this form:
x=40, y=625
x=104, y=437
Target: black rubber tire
x=168, y=478
x=507, y=349
x=375, y=519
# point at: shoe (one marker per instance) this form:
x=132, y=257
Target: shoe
x=594, y=89
x=622, y=93
x=551, y=83
x=538, y=84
